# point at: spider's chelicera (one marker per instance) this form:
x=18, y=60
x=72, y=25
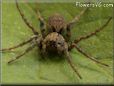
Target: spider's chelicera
x=52, y=40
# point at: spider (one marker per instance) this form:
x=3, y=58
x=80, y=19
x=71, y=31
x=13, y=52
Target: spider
x=52, y=40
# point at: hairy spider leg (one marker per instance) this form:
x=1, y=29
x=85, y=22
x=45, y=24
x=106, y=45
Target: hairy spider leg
x=86, y=55
x=93, y=33
x=39, y=16
x=26, y=51
x=75, y=20
x=19, y=45
x=25, y=20
x=42, y=23
x=68, y=57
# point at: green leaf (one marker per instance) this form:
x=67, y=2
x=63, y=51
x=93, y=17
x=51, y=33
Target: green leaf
x=31, y=69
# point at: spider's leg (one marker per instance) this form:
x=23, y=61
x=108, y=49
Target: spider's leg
x=86, y=55
x=19, y=45
x=42, y=23
x=26, y=51
x=68, y=34
x=93, y=33
x=43, y=51
x=25, y=20
x=68, y=57
x=40, y=18
x=77, y=18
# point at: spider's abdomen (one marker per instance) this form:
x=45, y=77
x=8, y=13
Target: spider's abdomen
x=56, y=23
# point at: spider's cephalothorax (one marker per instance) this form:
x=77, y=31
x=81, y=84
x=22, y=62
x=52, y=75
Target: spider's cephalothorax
x=54, y=41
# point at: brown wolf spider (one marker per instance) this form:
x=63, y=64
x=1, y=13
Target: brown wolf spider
x=51, y=39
